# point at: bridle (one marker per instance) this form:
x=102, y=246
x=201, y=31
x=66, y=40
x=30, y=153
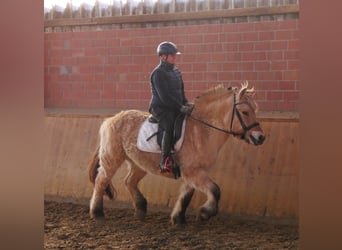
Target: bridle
x=230, y=131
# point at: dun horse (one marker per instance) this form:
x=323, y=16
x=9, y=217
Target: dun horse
x=218, y=113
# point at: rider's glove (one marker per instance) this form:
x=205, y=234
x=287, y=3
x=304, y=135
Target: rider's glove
x=186, y=109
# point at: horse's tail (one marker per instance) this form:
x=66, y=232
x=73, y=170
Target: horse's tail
x=94, y=164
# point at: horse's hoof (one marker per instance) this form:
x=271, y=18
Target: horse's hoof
x=203, y=214
x=140, y=208
x=140, y=215
x=97, y=214
x=178, y=221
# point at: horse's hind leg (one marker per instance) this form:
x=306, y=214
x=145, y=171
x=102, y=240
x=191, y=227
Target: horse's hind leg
x=132, y=179
x=107, y=169
x=96, y=202
x=178, y=213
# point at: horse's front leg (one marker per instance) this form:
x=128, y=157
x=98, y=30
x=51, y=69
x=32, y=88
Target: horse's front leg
x=210, y=207
x=200, y=180
x=178, y=213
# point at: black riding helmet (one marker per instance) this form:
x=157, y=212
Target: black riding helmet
x=167, y=48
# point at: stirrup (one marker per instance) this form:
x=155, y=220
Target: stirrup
x=171, y=166
x=168, y=165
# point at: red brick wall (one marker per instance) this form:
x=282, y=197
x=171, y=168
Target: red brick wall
x=111, y=68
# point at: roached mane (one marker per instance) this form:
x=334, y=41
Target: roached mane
x=219, y=91
x=212, y=94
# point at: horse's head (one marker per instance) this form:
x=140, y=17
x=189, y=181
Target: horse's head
x=221, y=108
x=244, y=122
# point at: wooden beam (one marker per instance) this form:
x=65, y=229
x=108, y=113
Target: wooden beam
x=187, y=16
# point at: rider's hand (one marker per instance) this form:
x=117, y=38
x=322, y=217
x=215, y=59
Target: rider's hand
x=190, y=104
x=185, y=109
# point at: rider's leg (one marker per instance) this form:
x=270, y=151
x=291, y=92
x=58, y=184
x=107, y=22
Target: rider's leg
x=167, y=123
x=166, y=153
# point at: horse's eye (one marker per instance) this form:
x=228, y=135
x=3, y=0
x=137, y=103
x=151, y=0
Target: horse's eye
x=245, y=113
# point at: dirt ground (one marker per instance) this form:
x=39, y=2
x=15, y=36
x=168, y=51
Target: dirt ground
x=68, y=226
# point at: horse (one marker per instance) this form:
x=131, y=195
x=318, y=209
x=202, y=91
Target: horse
x=218, y=114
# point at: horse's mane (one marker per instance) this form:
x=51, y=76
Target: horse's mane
x=219, y=91
x=213, y=94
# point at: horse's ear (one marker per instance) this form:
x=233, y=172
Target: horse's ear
x=241, y=93
x=243, y=89
x=251, y=92
x=244, y=84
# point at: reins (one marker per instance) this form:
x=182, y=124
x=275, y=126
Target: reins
x=230, y=131
x=217, y=128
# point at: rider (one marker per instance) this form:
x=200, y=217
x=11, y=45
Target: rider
x=168, y=99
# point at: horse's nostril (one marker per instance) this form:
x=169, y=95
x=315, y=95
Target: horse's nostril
x=257, y=139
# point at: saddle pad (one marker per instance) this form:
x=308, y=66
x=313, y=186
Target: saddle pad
x=151, y=146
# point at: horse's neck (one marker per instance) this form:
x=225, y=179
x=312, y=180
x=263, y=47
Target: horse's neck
x=218, y=114
x=205, y=142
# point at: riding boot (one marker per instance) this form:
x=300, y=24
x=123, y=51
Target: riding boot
x=166, y=160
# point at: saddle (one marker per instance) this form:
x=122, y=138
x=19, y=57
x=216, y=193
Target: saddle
x=150, y=138
x=177, y=130
x=150, y=135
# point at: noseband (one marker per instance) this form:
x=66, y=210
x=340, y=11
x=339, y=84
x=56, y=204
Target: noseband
x=230, y=131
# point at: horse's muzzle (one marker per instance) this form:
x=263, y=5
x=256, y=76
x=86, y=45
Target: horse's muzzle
x=257, y=139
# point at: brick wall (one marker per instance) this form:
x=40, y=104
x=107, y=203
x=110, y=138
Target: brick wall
x=111, y=68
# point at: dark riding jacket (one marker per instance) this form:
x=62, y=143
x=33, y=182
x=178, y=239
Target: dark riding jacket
x=167, y=89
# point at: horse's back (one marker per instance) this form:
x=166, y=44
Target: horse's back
x=126, y=118
x=123, y=125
